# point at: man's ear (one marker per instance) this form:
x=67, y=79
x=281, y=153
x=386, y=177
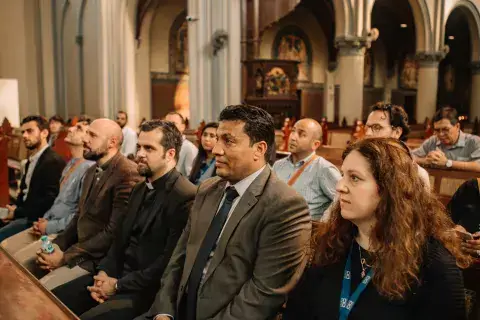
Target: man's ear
x=261, y=149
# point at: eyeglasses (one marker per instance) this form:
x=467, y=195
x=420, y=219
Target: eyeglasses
x=376, y=128
x=442, y=130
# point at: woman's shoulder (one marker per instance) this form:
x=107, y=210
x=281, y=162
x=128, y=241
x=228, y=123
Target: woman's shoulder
x=439, y=262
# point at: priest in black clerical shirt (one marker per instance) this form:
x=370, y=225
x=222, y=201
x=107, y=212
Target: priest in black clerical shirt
x=129, y=276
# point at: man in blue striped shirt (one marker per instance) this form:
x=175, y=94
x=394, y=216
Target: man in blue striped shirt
x=55, y=220
x=311, y=176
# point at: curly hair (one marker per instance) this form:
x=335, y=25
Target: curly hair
x=407, y=217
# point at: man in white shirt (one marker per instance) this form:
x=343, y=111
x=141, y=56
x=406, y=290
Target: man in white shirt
x=189, y=151
x=129, y=144
x=244, y=246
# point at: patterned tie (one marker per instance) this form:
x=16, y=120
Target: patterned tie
x=205, y=250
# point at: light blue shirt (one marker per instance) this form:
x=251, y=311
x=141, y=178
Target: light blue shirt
x=66, y=203
x=466, y=149
x=316, y=184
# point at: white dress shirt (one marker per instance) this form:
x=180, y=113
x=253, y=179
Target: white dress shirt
x=129, y=145
x=31, y=167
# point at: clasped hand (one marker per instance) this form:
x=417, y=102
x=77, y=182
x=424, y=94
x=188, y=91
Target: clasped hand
x=11, y=213
x=50, y=261
x=103, y=287
x=437, y=158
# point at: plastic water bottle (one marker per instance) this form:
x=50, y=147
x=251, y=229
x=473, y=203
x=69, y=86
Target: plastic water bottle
x=47, y=246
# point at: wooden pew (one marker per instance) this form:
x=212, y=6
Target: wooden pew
x=446, y=182
x=23, y=297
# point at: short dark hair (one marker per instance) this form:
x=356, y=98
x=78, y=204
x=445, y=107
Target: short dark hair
x=42, y=123
x=397, y=115
x=172, y=138
x=57, y=118
x=85, y=118
x=448, y=113
x=123, y=112
x=171, y=113
x=259, y=124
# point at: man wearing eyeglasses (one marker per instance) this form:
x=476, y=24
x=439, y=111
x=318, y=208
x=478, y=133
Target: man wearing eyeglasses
x=391, y=121
x=449, y=147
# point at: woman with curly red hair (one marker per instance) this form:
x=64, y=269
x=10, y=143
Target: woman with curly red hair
x=387, y=252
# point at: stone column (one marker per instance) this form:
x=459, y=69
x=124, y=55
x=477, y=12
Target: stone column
x=111, y=56
x=214, y=57
x=475, y=97
x=329, y=92
x=427, y=84
x=350, y=73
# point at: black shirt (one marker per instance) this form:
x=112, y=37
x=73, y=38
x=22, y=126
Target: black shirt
x=151, y=196
x=464, y=206
x=439, y=296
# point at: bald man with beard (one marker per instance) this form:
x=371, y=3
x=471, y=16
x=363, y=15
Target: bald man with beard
x=102, y=208
x=310, y=175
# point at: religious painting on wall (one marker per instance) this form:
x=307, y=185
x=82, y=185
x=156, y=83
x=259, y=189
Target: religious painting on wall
x=181, y=58
x=409, y=75
x=291, y=43
x=277, y=82
x=368, y=69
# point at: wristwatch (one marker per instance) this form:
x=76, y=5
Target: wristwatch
x=449, y=163
x=116, y=286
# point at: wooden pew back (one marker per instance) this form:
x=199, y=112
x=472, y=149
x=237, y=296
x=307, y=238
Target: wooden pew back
x=23, y=297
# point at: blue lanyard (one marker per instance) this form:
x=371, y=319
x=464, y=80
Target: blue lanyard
x=347, y=301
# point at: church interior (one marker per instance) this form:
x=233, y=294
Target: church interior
x=328, y=60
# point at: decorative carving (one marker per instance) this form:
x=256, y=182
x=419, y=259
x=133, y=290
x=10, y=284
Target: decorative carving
x=279, y=94
x=291, y=43
x=277, y=82
x=430, y=59
x=351, y=46
x=219, y=40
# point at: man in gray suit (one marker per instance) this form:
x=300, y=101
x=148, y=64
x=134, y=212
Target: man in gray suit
x=245, y=244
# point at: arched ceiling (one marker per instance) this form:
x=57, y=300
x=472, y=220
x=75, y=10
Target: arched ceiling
x=388, y=16
x=324, y=12
x=460, y=46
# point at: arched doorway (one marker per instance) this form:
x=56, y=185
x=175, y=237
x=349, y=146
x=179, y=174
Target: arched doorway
x=394, y=74
x=459, y=72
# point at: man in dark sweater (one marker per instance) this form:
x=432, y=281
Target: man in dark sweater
x=102, y=209
x=40, y=183
x=128, y=277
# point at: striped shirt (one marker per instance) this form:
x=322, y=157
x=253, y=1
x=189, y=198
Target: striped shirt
x=316, y=183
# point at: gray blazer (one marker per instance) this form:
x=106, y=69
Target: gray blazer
x=259, y=257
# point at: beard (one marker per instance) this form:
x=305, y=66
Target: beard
x=94, y=155
x=145, y=171
x=32, y=145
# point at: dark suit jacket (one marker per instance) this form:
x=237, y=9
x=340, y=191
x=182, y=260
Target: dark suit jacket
x=259, y=257
x=157, y=240
x=102, y=208
x=43, y=189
